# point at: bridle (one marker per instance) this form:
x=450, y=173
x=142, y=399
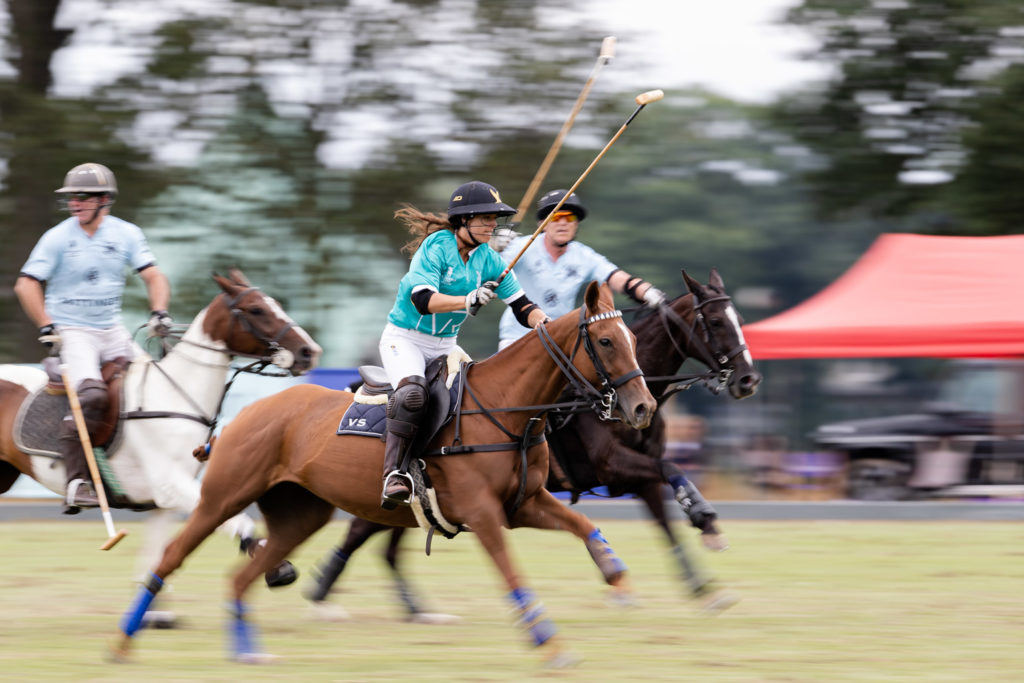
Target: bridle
x=604, y=399
x=275, y=354
x=699, y=339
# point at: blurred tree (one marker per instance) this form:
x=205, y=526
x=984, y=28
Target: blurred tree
x=891, y=123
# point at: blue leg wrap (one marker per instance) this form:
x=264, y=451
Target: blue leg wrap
x=241, y=633
x=602, y=552
x=678, y=481
x=531, y=616
x=132, y=621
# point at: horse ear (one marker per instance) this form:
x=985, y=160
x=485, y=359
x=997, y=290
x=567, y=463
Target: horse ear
x=692, y=285
x=593, y=295
x=224, y=283
x=716, y=280
x=239, y=277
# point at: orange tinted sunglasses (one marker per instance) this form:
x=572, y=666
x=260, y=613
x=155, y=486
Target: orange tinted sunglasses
x=567, y=215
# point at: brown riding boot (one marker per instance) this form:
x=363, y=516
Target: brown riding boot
x=397, y=485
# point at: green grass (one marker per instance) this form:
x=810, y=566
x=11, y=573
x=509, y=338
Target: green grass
x=820, y=601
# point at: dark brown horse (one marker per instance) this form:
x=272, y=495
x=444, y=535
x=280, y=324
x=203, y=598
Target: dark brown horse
x=487, y=468
x=165, y=408
x=589, y=453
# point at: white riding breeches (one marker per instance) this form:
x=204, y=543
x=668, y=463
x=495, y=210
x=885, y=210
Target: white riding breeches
x=84, y=349
x=406, y=352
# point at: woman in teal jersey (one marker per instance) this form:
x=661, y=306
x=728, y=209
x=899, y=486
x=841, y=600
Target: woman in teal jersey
x=453, y=270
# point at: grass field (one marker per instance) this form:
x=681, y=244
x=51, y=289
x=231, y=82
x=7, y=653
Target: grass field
x=819, y=601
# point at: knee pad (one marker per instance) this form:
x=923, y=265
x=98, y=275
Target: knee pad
x=409, y=400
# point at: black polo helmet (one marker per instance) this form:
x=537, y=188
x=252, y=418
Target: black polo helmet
x=548, y=202
x=475, y=198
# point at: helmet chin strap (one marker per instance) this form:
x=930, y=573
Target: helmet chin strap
x=472, y=237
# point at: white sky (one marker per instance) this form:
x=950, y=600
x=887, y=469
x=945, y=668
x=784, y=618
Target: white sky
x=733, y=47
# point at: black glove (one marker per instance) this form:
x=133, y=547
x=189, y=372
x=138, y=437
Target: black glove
x=48, y=336
x=159, y=324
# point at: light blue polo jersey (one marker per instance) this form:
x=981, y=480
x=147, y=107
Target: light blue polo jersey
x=85, y=275
x=552, y=285
x=437, y=266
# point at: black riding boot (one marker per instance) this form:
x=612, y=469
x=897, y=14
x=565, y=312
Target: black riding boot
x=406, y=408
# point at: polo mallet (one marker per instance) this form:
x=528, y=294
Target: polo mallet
x=607, y=53
x=643, y=99
x=83, y=434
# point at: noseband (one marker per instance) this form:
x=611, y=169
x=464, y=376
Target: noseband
x=602, y=400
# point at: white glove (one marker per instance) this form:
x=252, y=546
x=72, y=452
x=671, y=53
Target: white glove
x=481, y=296
x=501, y=238
x=159, y=324
x=654, y=297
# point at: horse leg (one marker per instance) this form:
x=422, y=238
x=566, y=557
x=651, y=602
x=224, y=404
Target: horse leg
x=405, y=593
x=700, y=586
x=544, y=511
x=207, y=516
x=156, y=533
x=330, y=568
x=292, y=514
x=486, y=523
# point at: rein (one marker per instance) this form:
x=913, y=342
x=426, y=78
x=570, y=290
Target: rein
x=602, y=400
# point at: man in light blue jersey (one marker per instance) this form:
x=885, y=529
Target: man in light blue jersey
x=71, y=288
x=453, y=271
x=556, y=267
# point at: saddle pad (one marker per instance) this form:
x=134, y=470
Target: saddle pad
x=37, y=426
x=362, y=419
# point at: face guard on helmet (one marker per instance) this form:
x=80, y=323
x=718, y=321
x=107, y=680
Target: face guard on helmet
x=475, y=198
x=89, y=179
x=548, y=202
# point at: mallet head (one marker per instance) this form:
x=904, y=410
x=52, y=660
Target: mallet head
x=649, y=96
x=607, y=49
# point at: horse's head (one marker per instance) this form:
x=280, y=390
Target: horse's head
x=250, y=323
x=718, y=342
x=610, y=357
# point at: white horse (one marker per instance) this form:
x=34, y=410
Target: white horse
x=168, y=408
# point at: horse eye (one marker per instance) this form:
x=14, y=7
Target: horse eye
x=716, y=322
x=257, y=310
x=604, y=341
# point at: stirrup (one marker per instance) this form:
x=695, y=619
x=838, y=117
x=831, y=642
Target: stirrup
x=391, y=502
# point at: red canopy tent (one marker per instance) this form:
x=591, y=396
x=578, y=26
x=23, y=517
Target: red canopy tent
x=909, y=295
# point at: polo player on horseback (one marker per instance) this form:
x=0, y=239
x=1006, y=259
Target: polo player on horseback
x=81, y=262
x=453, y=272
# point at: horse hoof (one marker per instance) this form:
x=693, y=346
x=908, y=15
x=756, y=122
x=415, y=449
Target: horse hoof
x=622, y=598
x=256, y=658
x=120, y=649
x=434, y=618
x=562, y=660
x=714, y=542
x=281, y=575
x=719, y=602
x=159, y=619
x=320, y=610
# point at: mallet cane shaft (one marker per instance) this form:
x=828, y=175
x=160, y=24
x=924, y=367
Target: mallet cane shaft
x=642, y=100
x=90, y=457
x=607, y=53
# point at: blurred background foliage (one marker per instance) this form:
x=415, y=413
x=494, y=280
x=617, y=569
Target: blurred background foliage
x=280, y=136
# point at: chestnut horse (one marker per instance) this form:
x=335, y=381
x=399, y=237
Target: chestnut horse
x=487, y=467
x=701, y=324
x=167, y=408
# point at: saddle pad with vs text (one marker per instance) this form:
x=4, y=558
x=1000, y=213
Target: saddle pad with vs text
x=364, y=419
